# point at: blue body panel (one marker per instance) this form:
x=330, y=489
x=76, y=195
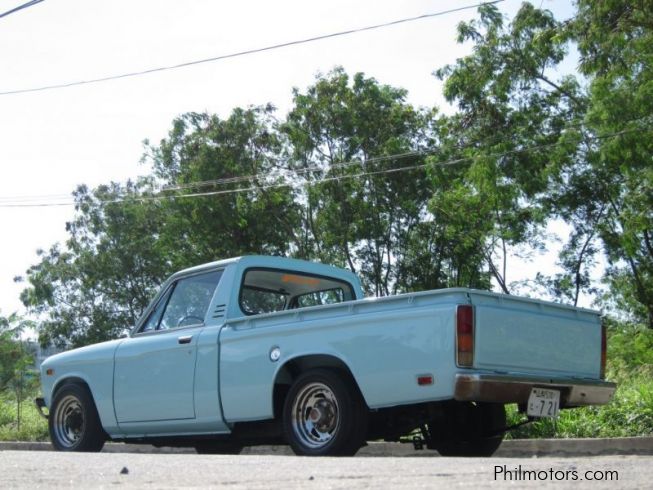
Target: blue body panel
x=141, y=364
x=151, y=385
x=385, y=343
x=94, y=365
x=517, y=335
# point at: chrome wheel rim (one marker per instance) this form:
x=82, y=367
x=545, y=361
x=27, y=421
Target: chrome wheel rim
x=315, y=415
x=69, y=422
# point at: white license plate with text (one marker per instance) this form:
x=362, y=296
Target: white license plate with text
x=543, y=402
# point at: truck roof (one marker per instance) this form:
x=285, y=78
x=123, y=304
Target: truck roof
x=274, y=262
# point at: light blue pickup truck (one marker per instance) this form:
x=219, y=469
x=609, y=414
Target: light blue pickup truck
x=269, y=350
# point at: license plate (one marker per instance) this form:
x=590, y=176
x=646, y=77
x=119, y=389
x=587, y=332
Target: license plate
x=543, y=403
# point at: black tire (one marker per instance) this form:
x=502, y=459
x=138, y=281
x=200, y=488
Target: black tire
x=472, y=430
x=74, y=423
x=218, y=447
x=324, y=414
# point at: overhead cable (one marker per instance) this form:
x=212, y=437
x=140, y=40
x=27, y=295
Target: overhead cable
x=20, y=7
x=311, y=182
x=299, y=171
x=245, y=52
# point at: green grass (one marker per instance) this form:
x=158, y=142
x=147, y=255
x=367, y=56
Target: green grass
x=32, y=426
x=629, y=414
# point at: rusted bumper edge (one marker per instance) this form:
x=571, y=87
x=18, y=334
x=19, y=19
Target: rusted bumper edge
x=40, y=405
x=500, y=388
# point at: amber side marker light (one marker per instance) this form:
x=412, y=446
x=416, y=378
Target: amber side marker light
x=49, y=371
x=465, y=336
x=604, y=349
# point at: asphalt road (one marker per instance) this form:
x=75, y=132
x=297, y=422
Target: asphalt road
x=41, y=469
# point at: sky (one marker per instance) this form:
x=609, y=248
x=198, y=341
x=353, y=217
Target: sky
x=52, y=141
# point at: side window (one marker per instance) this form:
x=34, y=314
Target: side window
x=185, y=304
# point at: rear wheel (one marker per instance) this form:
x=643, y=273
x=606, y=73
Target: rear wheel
x=324, y=415
x=74, y=423
x=470, y=430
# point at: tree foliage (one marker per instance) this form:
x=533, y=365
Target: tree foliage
x=237, y=215
x=16, y=360
x=579, y=149
x=406, y=197
x=510, y=120
x=354, y=134
x=124, y=240
x=95, y=287
x=615, y=40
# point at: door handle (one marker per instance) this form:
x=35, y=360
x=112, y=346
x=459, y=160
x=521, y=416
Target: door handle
x=185, y=339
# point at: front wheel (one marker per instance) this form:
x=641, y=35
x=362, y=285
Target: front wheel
x=324, y=415
x=74, y=423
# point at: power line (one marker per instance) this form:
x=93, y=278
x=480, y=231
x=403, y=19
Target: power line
x=34, y=197
x=237, y=179
x=20, y=7
x=340, y=165
x=455, y=161
x=309, y=183
x=299, y=171
x=247, y=52
x=320, y=167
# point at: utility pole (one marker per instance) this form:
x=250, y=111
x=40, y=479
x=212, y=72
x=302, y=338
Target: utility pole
x=19, y=391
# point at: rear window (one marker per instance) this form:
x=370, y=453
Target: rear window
x=321, y=298
x=254, y=300
x=270, y=290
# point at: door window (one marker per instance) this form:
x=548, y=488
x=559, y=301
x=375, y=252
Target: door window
x=155, y=317
x=185, y=303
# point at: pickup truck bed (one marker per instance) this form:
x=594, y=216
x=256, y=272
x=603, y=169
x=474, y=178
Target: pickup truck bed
x=391, y=340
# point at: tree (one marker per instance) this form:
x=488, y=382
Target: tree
x=15, y=360
x=238, y=163
x=407, y=198
x=511, y=118
x=553, y=146
x=364, y=145
x=126, y=239
x=96, y=287
x=615, y=40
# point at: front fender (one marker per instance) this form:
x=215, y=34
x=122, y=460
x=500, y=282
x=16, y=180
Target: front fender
x=92, y=366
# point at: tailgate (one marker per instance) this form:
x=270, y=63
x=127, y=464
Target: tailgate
x=528, y=336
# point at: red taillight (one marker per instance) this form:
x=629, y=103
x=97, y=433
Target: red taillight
x=465, y=336
x=604, y=349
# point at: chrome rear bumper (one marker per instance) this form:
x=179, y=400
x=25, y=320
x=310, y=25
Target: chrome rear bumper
x=500, y=388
